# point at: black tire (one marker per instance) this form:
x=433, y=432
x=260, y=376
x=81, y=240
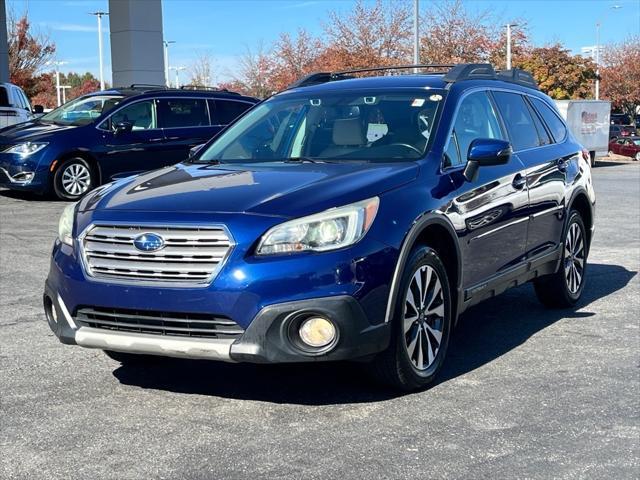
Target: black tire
x=555, y=290
x=63, y=184
x=130, y=358
x=395, y=366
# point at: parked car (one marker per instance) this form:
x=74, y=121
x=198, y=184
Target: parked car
x=112, y=133
x=626, y=146
x=616, y=131
x=343, y=218
x=620, y=119
x=15, y=106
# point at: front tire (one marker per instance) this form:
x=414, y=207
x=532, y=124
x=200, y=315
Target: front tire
x=564, y=288
x=73, y=179
x=420, y=326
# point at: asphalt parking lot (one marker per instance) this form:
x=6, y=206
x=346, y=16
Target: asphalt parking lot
x=526, y=392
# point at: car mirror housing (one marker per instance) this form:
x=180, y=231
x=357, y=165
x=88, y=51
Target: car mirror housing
x=122, y=127
x=484, y=152
x=193, y=151
x=38, y=109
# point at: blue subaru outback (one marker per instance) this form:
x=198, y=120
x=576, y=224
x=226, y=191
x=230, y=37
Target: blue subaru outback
x=109, y=134
x=344, y=218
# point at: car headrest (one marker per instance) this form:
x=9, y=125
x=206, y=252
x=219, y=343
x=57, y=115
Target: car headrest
x=348, y=131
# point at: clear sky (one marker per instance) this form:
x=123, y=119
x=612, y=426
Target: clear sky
x=224, y=28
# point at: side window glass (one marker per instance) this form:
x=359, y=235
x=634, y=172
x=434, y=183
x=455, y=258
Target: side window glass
x=518, y=120
x=226, y=111
x=543, y=136
x=18, y=98
x=555, y=124
x=141, y=115
x=182, y=112
x=476, y=118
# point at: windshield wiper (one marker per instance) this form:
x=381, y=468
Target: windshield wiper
x=301, y=160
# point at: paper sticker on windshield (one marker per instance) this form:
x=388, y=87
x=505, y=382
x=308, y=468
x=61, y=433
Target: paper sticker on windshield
x=435, y=98
x=375, y=131
x=417, y=102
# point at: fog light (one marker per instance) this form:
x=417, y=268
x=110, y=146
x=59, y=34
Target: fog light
x=317, y=332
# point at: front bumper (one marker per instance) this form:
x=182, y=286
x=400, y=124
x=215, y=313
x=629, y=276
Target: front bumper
x=30, y=173
x=267, y=340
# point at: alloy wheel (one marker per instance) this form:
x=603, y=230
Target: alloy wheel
x=574, y=258
x=76, y=179
x=423, y=319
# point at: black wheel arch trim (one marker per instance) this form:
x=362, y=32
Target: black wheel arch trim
x=419, y=225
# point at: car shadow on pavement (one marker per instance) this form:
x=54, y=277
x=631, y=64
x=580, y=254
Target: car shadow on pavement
x=27, y=196
x=484, y=333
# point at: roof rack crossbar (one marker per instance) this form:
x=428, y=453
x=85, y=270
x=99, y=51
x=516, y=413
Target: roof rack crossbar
x=453, y=74
x=393, y=67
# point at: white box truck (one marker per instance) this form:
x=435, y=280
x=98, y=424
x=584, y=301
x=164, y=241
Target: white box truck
x=589, y=122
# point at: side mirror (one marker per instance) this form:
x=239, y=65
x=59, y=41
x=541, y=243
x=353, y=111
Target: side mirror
x=193, y=151
x=484, y=152
x=122, y=127
x=38, y=109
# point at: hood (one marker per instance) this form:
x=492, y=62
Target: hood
x=274, y=189
x=31, y=132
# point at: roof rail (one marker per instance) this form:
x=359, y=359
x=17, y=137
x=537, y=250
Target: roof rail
x=207, y=89
x=453, y=74
x=148, y=85
x=516, y=75
x=470, y=71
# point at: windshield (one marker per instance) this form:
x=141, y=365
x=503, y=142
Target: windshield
x=82, y=111
x=334, y=126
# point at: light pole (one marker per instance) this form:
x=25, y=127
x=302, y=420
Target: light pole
x=57, y=65
x=177, y=70
x=509, y=26
x=64, y=89
x=416, y=34
x=166, y=44
x=99, y=16
x=597, y=53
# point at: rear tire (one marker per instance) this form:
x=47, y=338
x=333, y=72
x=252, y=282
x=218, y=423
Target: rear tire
x=73, y=179
x=564, y=288
x=420, y=326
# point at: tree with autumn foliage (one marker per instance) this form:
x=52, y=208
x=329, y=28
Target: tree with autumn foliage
x=621, y=75
x=558, y=73
x=294, y=57
x=29, y=53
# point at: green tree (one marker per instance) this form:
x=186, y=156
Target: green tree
x=558, y=73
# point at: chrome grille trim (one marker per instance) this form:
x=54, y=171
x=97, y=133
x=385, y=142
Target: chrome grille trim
x=192, y=255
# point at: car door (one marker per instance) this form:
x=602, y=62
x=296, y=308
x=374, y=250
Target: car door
x=185, y=123
x=547, y=161
x=133, y=150
x=490, y=212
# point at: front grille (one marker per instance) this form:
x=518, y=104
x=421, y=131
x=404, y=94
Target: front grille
x=190, y=255
x=158, y=323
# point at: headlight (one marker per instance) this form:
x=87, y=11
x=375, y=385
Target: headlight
x=65, y=226
x=329, y=230
x=27, y=148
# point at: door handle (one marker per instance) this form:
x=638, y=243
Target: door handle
x=519, y=182
x=562, y=164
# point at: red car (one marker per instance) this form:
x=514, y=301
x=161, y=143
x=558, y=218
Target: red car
x=627, y=146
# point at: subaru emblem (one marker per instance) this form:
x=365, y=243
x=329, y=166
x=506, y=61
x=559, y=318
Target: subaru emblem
x=148, y=242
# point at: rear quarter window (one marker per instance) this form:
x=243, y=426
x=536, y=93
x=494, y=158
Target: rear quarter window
x=224, y=112
x=4, y=97
x=556, y=125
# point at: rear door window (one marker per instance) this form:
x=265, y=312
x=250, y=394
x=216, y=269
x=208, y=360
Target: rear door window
x=224, y=112
x=556, y=126
x=182, y=112
x=518, y=120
